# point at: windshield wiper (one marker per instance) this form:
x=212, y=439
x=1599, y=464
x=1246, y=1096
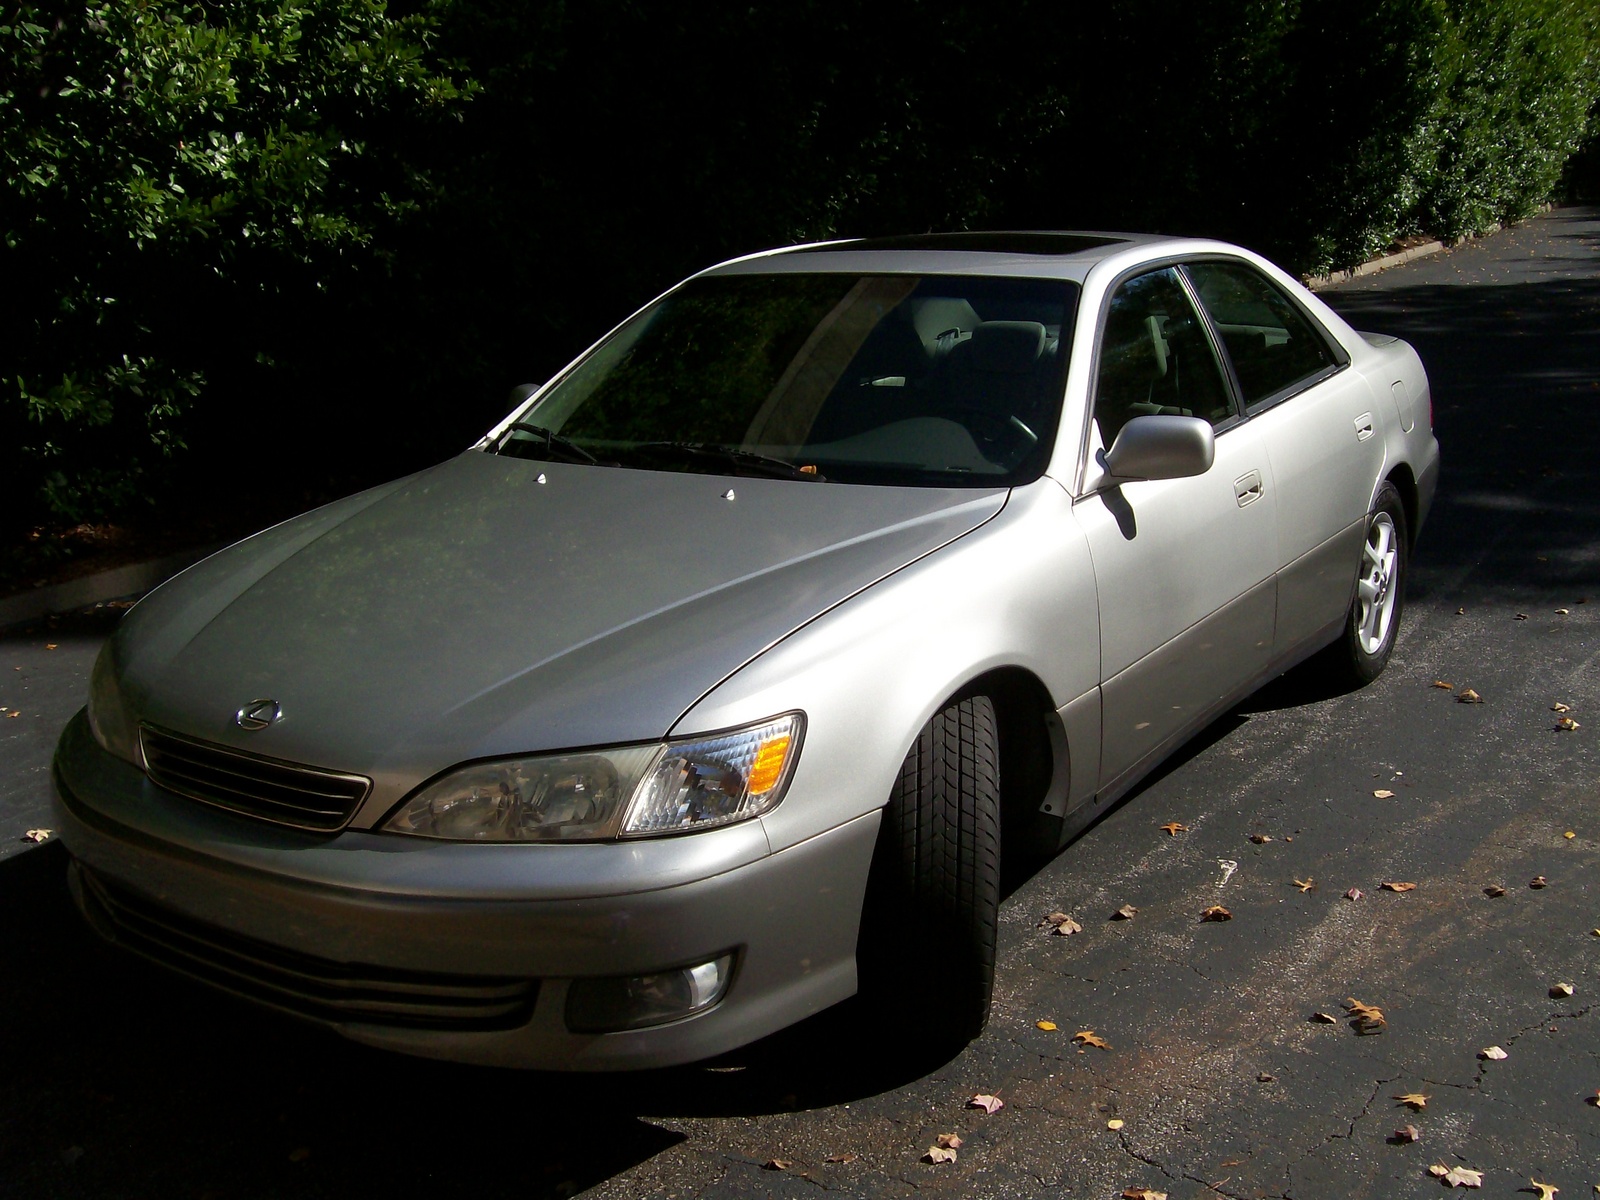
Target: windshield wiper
x=554, y=443
x=748, y=460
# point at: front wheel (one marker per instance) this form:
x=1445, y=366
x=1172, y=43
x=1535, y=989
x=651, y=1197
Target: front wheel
x=1374, y=619
x=928, y=934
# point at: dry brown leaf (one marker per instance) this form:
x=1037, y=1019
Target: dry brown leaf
x=1415, y=1101
x=1367, y=1018
x=1047, y=1026
x=1569, y=835
x=777, y=1164
x=1439, y=683
x=1492, y=1053
x=1537, y=882
x=1559, y=707
x=1468, y=696
x=1067, y=928
x=1305, y=885
x=1265, y=1077
x=1051, y=919
x=1520, y=617
x=1139, y=1193
x=939, y=1154
x=948, y=1141
x=1494, y=891
x=989, y=1104
x=1384, y=794
x=1594, y=1100
x=1115, y=1124
x=1407, y=1133
x=1462, y=1177
x=1216, y=913
x=1563, y=612
x=1173, y=828
x=1399, y=887
x=15, y=712
x=1461, y=612
x=1125, y=913
x=1353, y=894
x=849, y=1156
x=1088, y=1037
x=1322, y=1018
x=38, y=835
x=49, y=645
x=1567, y=724
x=1547, y=1191
x=1438, y=1170
x=1560, y=990
x=1260, y=839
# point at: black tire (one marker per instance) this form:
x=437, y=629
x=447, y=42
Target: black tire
x=928, y=933
x=1363, y=648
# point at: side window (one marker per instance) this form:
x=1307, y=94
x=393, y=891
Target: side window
x=1271, y=342
x=1155, y=358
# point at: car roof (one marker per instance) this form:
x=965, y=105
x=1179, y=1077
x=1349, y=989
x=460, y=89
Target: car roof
x=1060, y=254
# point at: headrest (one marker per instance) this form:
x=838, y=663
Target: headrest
x=1005, y=347
x=940, y=314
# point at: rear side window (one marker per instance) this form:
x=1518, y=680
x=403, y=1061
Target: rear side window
x=1273, y=345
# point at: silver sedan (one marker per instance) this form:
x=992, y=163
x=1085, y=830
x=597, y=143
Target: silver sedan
x=676, y=709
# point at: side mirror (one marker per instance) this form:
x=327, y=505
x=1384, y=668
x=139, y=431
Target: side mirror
x=1161, y=447
x=520, y=394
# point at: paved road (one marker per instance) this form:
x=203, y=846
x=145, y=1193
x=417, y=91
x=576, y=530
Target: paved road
x=119, y=1080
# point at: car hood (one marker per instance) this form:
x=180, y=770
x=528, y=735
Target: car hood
x=495, y=606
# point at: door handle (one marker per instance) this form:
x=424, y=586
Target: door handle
x=1363, y=427
x=1247, y=489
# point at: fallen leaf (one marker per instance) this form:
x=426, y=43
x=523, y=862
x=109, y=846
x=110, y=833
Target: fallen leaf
x=1468, y=696
x=849, y=1156
x=1462, y=1177
x=1560, y=990
x=1050, y=919
x=1407, y=1133
x=1067, y=928
x=1321, y=1018
x=15, y=712
x=1492, y=1053
x=1384, y=794
x=1567, y=724
x=1305, y=885
x=948, y=1141
x=777, y=1164
x=1494, y=891
x=1560, y=612
x=1368, y=1018
x=1546, y=1191
x=1415, y=1101
x=1461, y=612
x=938, y=1154
x=1353, y=894
x=38, y=835
x=1265, y=1077
x=1047, y=1026
x=1594, y=1100
x=1260, y=839
x=1399, y=887
x=1537, y=882
x=1438, y=1171
x=1088, y=1037
x=1138, y=1193
x=989, y=1104
x=1174, y=829
x=1216, y=913
x=1439, y=683
x=1520, y=617
x=1125, y=913
x=1559, y=707
x=1115, y=1123
x=1569, y=835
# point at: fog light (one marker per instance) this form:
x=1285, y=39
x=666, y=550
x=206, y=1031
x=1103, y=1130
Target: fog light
x=634, y=1001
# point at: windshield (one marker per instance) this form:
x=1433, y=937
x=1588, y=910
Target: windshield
x=890, y=379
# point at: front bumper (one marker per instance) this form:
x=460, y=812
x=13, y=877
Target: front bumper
x=481, y=942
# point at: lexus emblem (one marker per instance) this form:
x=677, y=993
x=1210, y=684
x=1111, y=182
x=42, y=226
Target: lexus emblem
x=258, y=714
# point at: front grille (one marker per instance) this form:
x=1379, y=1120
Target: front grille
x=287, y=793
x=302, y=984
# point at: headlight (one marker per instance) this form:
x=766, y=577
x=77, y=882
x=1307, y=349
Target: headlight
x=109, y=720
x=633, y=791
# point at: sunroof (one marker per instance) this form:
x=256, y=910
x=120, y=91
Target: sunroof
x=978, y=241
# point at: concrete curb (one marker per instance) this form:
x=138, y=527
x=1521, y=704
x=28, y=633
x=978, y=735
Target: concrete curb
x=1373, y=266
x=134, y=579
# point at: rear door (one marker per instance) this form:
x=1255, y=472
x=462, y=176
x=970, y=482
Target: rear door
x=1318, y=421
x=1183, y=567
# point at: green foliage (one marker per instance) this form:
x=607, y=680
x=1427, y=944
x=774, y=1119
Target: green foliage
x=174, y=179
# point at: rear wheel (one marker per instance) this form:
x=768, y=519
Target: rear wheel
x=928, y=934
x=1374, y=619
